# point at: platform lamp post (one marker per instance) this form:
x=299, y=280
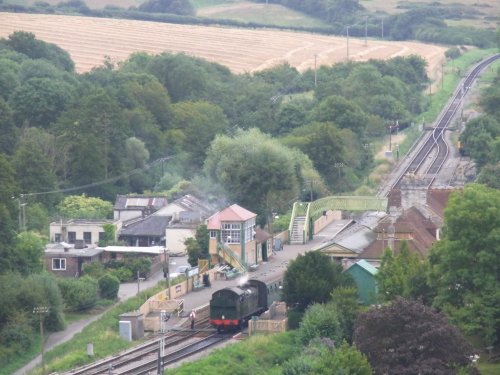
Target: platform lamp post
x=41, y=310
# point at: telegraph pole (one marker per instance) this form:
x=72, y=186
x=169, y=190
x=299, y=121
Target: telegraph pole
x=41, y=310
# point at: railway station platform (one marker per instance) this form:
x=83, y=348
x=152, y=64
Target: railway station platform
x=275, y=266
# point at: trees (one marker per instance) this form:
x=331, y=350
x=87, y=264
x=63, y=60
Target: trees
x=255, y=170
x=197, y=247
x=323, y=357
x=83, y=207
x=39, y=101
x=321, y=321
x=28, y=253
x=34, y=172
x=200, y=122
x=407, y=337
x=464, y=263
x=311, y=278
x=402, y=275
x=324, y=144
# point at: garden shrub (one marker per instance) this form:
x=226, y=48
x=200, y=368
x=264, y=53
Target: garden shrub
x=79, y=294
x=108, y=286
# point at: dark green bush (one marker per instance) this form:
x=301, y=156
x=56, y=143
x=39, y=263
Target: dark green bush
x=79, y=294
x=123, y=274
x=108, y=286
x=94, y=269
x=17, y=336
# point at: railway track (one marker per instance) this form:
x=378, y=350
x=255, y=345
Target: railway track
x=434, y=145
x=174, y=345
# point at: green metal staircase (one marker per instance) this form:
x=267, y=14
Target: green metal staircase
x=231, y=258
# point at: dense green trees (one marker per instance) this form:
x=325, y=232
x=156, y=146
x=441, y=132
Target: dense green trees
x=311, y=278
x=83, y=207
x=464, y=263
x=256, y=170
x=403, y=275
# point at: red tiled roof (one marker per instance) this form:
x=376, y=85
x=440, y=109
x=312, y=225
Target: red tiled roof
x=411, y=221
x=231, y=213
x=437, y=199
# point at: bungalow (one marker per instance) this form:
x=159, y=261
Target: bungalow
x=65, y=260
x=82, y=232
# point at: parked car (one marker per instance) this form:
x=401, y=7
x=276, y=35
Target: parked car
x=177, y=253
x=180, y=271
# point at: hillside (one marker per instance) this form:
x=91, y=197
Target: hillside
x=89, y=40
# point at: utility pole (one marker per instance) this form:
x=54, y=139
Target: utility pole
x=41, y=310
x=382, y=28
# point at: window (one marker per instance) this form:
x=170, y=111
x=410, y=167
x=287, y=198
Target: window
x=58, y=264
x=71, y=237
x=213, y=234
x=87, y=237
x=231, y=233
x=249, y=230
x=57, y=237
x=102, y=236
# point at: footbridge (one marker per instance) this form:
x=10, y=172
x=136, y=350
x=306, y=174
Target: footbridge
x=304, y=214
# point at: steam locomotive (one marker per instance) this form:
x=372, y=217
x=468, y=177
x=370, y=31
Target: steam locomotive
x=232, y=307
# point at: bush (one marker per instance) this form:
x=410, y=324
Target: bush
x=108, y=286
x=94, y=269
x=123, y=274
x=17, y=335
x=79, y=294
x=321, y=321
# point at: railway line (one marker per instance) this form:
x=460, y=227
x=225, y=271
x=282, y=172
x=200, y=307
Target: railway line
x=434, y=145
x=173, y=346
x=163, y=349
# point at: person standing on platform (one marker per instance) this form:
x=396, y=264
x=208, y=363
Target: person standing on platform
x=192, y=317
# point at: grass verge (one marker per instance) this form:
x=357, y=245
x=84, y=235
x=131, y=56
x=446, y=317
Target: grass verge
x=258, y=355
x=103, y=334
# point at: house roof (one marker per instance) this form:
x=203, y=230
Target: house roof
x=134, y=249
x=148, y=226
x=83, y=222
x=366, y=266
x=418, y=230
x=134, y=202
x=233, y=213
x=357, y=234
x=437, y=199
x=261, y=235
x=191, y=203
x=59, y=249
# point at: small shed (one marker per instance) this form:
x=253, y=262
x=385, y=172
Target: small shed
x=363, y=274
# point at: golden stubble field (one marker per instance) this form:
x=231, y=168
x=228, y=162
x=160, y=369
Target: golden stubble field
x=89, y=40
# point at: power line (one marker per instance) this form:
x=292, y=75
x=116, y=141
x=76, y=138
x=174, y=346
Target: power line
x=102, y=182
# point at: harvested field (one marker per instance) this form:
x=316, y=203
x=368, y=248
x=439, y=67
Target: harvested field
x=89, y=40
